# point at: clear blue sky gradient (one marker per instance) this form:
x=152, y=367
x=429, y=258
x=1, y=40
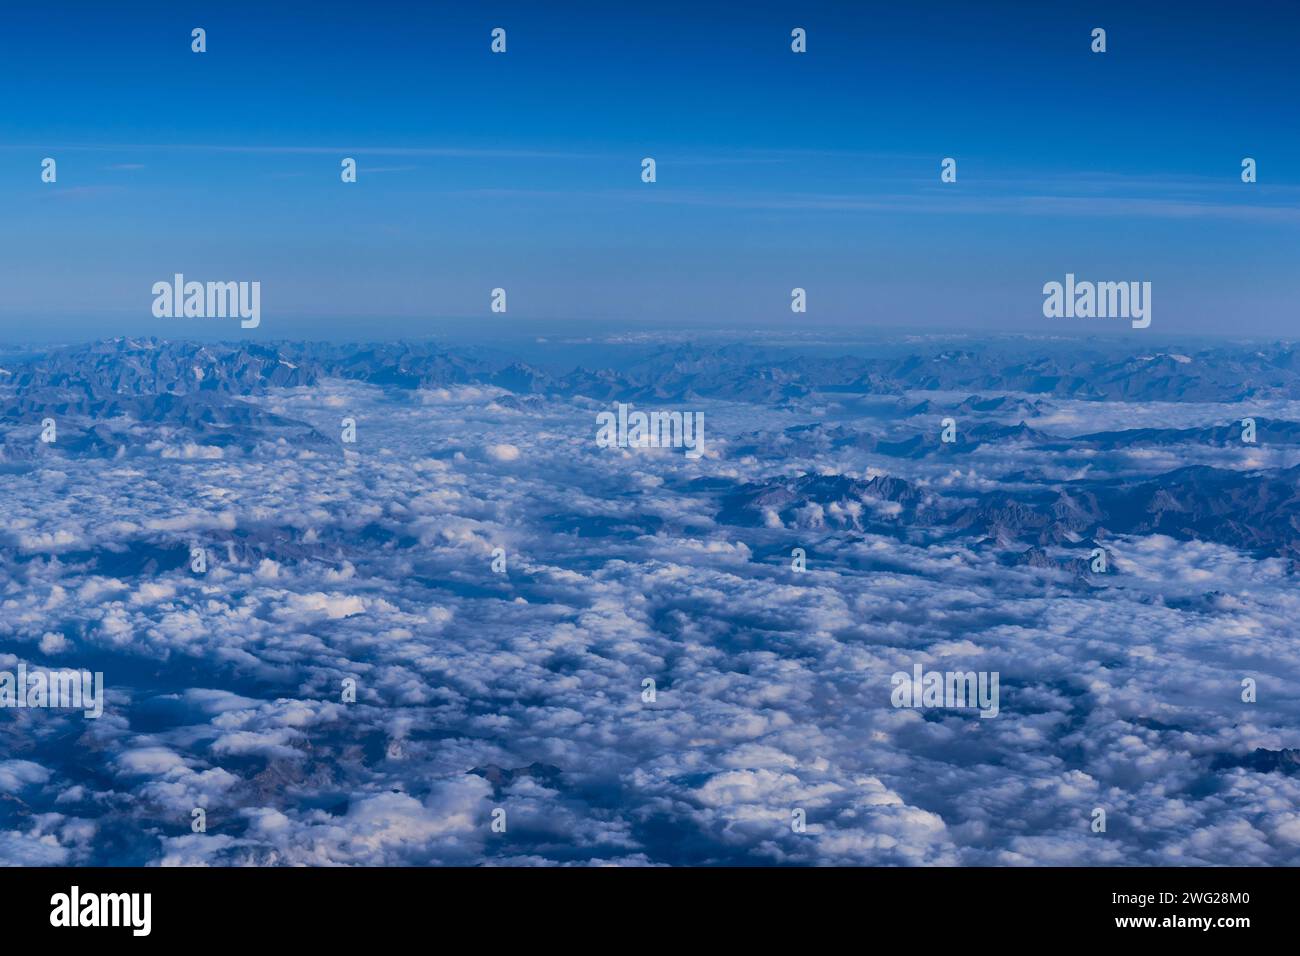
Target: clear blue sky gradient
x=523, y=170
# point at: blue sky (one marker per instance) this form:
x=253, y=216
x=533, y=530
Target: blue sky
x=775, y=170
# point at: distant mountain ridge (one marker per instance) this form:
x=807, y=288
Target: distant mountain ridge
x=740, y=372
x=114, y=397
